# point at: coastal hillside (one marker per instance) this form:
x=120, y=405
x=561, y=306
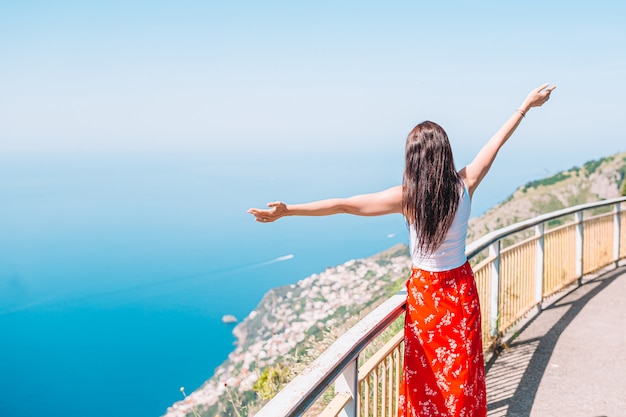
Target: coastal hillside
x=289, y=329
x=293, y=324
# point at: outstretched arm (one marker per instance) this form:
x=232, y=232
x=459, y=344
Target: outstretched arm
x=476, y=170
x=375, y=204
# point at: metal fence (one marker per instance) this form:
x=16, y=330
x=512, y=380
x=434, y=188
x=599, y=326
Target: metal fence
x=516, y=269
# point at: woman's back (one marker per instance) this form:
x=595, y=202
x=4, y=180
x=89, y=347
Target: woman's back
x=450, y=253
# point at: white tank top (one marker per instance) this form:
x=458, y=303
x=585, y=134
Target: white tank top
x=451, y=253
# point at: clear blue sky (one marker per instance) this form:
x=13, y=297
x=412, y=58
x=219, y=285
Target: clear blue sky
x=323, y=75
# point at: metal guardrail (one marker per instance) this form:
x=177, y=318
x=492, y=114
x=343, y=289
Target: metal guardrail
x=516, y=269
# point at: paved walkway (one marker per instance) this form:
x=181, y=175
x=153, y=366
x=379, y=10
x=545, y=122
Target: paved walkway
x=568, y=361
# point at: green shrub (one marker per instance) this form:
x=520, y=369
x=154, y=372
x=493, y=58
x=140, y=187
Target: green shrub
x=591, y=166
x=271, y=380
x=561, y=176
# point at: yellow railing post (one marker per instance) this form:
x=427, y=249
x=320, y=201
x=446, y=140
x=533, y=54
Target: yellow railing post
x=347, y=382
x=617, y=227
x=494, y=252
x=539, y=261
x=578, y=216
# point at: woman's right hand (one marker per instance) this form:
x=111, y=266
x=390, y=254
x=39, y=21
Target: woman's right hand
x=277, y=210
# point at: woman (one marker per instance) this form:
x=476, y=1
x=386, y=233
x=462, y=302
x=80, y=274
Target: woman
x=443, y=371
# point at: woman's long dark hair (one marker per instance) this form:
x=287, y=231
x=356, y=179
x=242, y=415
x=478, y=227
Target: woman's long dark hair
x=431, y=185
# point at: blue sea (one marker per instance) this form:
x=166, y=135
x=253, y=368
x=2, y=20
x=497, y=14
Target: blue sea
x=116, y=268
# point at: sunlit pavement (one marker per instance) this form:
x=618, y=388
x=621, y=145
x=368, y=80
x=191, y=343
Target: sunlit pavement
x=568, y=361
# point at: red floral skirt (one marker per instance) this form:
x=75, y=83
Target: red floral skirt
x=444, y=371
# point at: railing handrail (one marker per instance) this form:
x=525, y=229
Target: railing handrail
x=483, y=242
x=311, y=383
x=305, y=388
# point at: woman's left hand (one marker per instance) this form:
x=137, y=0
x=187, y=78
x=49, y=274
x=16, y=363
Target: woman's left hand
x=538, y=96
